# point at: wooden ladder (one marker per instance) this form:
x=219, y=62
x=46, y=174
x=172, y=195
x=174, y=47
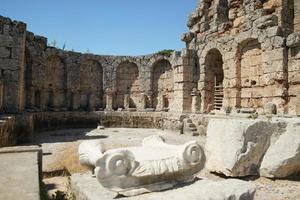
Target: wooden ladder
x=218, y=96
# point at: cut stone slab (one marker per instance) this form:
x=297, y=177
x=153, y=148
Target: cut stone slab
x=235, y=147
x=283, y=157
x=20, y=179
x=86, y=187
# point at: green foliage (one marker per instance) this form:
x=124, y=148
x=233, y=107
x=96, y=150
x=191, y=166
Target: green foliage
x=253, y=116
x=269, y=117
x=166, y=52
x=59, y=195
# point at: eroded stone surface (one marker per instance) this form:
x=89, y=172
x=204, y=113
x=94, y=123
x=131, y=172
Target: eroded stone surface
x=283, y=157
x=20, y=175
x=235, y=147
x=237, y=55
x=86, y=187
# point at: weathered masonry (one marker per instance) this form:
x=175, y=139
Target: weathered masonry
x=239, y=54
x=248, y=53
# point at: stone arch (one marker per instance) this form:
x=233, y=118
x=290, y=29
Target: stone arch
x=127, y=84
x=56, y=76
x=158, y=57
x=162, y=84
x=91, y=85
x=249, y=73
x=213, y=81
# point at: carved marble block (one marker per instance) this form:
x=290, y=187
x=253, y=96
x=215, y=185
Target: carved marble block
x=154, y=166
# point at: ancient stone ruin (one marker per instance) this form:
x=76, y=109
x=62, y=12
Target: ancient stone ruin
x=239, y=55
x=234, y=88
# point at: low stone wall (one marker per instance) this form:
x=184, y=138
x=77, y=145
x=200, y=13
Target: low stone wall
x=20, y=129
x=7, y=131
x=62, y=120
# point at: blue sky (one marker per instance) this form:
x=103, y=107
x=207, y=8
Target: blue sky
x=108, y=27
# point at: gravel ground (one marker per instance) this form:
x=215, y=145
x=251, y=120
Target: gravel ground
x=55, y=142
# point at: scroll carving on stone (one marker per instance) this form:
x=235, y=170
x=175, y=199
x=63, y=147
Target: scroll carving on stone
x=154, y=166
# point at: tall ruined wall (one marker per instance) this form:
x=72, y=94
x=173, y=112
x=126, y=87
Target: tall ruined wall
x=12, y=44
x=250, y=36
x=62, y=80
x=239, y=54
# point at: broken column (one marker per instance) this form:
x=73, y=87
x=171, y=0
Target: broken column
x=160, y=102
x=109, y=100
x=196, y=101
x=126, y=101
x=143, y=101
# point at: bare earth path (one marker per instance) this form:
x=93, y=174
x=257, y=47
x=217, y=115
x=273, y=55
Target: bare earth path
x=60, y=155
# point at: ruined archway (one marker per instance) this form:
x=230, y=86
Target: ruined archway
x=162, y=84
x=214, y=76
x=91, y=85
x=249, y=74
x=127, y=83
x=56, y=76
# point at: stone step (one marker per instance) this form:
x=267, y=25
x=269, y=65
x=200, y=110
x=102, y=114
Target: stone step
x=188, y=121
x=195, y=133
x=193, y=129
x=191, y=125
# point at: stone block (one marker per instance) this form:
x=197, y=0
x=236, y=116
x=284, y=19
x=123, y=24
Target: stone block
x=20, y=181
x=270, y=109
x=5, y=52
x=298, y=104
x=86, y=187
x=293, y=40
x=238, y=149
x=282, y=158
x=266, y=21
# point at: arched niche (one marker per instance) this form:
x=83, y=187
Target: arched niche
x=249, y=74
x=127, y=83
x=162, y=86
x=214, y=76
x=91, y=85
x=55, y=84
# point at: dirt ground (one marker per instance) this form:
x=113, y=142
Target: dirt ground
x=60, y=158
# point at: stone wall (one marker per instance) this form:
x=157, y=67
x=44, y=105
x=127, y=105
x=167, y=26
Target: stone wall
x=12, y=44
x=251, y=38
x=58, y=80
x=8, y=135
x=239, y=55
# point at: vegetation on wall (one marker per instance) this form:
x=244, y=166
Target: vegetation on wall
x=166, y=52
